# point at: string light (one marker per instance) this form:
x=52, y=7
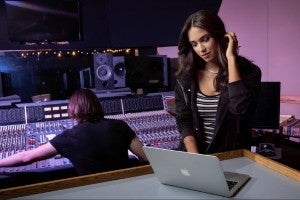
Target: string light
x=61, y=53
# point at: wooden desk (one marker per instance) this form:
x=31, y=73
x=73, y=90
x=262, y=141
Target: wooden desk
x=269, y=179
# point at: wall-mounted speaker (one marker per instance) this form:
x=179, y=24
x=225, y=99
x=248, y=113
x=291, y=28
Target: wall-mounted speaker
x=119, y=71
x=173, y=68
x=104, y=73
x=85, y=78
x=5, y=84
x=71, y=81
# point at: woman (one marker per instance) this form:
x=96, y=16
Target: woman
x=216, y=89
x=95, y=144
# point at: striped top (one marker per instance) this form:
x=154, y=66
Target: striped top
x=207, y=110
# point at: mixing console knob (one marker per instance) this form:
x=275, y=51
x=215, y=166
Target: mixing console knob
x=31, y=141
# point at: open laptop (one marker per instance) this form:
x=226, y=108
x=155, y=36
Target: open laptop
x=194, y=171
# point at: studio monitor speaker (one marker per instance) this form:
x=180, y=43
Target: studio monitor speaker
x=119, y=71
x=147, y=72
x=104, y=73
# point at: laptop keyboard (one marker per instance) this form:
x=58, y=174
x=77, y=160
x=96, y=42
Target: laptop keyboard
x=231, y=184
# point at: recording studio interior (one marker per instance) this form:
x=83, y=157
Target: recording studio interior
x=126, y=52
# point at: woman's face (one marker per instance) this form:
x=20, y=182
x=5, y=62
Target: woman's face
x=203, y=44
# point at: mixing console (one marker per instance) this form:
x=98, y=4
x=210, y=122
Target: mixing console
x=22, y=137
x=154, y=126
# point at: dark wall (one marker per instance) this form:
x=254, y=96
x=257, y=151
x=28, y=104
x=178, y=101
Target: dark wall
x=151, y=22
x=123, y=23
x=94, y=29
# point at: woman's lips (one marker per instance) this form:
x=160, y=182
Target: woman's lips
x=206, y=55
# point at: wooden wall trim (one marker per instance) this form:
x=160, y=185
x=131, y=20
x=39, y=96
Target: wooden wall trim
x=271, y=164
x=290, y=99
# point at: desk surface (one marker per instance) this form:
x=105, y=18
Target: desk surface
x=264, y=183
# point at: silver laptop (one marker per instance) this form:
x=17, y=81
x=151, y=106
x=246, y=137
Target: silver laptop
x=194, y=171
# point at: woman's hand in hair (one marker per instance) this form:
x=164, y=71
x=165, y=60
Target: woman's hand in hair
x=232, y=48
x=231, y=53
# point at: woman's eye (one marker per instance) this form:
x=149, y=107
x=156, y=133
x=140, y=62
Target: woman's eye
x=206, y=38
x=193, y=44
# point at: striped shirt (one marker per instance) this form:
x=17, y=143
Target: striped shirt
x=207, y=110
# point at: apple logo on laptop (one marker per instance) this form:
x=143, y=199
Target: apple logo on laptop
x=185, y=172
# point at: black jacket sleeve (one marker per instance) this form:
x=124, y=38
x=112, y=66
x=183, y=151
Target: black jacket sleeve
x=184, y=116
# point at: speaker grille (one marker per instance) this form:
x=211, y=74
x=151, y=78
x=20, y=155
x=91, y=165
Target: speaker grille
x=119, y=71
x=103, y=68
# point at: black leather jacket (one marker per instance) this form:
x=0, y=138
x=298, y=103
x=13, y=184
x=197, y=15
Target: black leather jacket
x=234, y=115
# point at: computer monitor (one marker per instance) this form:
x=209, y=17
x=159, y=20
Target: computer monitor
x=267, y=112
x=43, y=21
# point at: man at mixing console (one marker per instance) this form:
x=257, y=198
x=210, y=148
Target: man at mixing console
x=95, y=144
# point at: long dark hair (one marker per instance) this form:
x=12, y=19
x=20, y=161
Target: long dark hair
x=85, y=106
x=189, y=61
